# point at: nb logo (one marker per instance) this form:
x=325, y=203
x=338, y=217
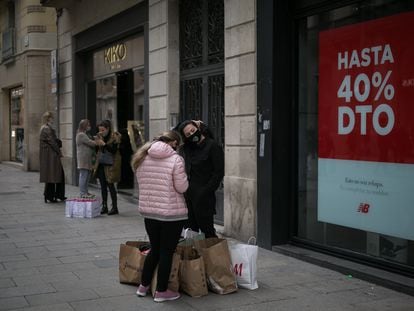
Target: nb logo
x=363, y=208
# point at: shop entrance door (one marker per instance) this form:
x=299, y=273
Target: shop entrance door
x=202, y=70
x=16, y=125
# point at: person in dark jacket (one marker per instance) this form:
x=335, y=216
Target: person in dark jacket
x=51, y=169
x=204, y=162
x=108, y=165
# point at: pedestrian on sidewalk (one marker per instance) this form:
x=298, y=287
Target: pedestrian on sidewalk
x=108, y=165
x=204, y=163
x=85, y=151
x=160, y=172
x=51, y=169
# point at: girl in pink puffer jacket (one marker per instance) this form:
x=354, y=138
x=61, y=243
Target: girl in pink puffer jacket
x=162, y=180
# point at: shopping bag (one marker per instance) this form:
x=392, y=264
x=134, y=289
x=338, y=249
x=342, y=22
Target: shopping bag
x=189, y=237
x=83, y=207
x=244, y=260
x=192, y=272
x=173, y=281
x=217, y=261
x=131, y=261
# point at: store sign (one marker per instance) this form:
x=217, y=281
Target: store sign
x=115, y=53
x=119, y=56
x=366, y=128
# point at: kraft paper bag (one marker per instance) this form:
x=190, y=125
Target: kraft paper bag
x=192, y=272
x=217, y=260
x=131, y=262
x=173, y=281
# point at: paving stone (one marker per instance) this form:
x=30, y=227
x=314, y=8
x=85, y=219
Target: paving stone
x=12, y=303
x=59, y=297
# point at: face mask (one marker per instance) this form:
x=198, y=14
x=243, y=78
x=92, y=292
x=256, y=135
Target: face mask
x=194, y=138
x=88, y=128
x=105, y=133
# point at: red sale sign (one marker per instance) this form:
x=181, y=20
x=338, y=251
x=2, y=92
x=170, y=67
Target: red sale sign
x=366, y=91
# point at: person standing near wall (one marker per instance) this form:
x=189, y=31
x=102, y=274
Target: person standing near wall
x=204, y=163
x=162, y=180
x=85, y=149
x=51, y=169
x=108, y=165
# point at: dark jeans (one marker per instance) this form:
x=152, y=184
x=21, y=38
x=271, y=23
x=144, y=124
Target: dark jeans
x=105, y=185
x=199, y=219
x=164, y=237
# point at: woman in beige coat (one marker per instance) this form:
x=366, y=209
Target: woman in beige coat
x=85, y=150
x=51, y=170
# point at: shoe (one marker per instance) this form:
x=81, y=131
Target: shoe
x=50, y=200
x=104, y=209
x=142, y=290
x=62, y=199
x=165, y=296
x=113, y=211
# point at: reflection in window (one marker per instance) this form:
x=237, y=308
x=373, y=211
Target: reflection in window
x=309, y=228
x=106, y=108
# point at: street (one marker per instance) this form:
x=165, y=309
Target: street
x=50, y=262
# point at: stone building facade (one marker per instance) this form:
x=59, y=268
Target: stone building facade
x=28, y=35
x=87, y=29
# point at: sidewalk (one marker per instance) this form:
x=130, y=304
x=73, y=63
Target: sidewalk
x=49, y=262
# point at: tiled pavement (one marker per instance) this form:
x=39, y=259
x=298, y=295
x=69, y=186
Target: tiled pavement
x=50, y=262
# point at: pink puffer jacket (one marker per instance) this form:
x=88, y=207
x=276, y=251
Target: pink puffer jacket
x=162, y=181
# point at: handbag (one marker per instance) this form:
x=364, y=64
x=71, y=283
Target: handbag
x=106, y=158
x=244, y=260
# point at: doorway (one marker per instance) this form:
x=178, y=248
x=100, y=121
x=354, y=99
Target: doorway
x=120, y=98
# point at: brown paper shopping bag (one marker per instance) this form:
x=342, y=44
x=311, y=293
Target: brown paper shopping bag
x=217, y=260
x=192, y=272
x=131, y=262
x=173, y=281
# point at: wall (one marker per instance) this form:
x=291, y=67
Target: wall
x=163, y=64
x=240, y=119
x=72, y=21
x=35, y=37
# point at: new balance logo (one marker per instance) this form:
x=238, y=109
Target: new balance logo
x=363, y=208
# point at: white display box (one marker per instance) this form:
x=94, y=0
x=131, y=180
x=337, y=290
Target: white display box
x=83, y=208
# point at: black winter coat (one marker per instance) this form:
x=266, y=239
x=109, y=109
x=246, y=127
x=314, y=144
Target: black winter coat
x=205, y=170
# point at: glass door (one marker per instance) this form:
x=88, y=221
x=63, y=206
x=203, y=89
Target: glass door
x=16, y=125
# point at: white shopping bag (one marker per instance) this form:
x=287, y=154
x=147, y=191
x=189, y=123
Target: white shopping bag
x=190, y=234
x=244, y=261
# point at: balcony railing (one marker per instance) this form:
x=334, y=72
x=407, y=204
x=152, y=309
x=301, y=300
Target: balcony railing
x=8, y=43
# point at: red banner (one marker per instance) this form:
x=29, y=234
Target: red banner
x=366, y=91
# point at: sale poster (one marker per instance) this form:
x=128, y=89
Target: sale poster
x=366, y=126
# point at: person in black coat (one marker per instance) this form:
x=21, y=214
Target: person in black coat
x=204, y=162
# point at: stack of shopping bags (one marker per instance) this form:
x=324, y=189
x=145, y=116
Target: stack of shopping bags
x=199, y=265
x=83, y=207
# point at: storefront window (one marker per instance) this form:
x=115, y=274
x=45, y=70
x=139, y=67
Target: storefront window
x=136, y=127
x=106, y=107
x=16, y=125
x=356, y=138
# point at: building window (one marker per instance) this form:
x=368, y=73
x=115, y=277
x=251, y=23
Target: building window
x=344, y=188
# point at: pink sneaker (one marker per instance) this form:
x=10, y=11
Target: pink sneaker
x=167, y=295
x=142, y=290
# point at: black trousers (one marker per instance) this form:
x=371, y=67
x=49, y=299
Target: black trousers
x=105, y=185
x=54, y=191
x=164, y=237
x=201, y=218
